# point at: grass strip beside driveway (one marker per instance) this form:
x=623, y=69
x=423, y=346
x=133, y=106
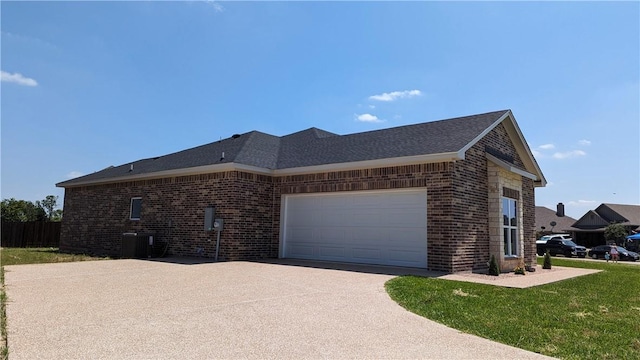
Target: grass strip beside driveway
x=589, y=317
x=4, y=348
x=19, y=256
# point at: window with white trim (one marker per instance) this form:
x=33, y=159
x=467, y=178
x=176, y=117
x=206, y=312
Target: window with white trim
x=135, y=209
x=510, y=226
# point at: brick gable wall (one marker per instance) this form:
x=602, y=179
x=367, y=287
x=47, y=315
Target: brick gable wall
x=469, y=233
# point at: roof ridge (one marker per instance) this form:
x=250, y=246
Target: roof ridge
x=430, y=123
x=316, y=132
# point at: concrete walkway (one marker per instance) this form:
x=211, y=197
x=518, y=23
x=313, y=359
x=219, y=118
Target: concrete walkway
x=136, y=309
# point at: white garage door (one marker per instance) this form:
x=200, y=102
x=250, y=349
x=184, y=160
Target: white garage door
x=382, y=227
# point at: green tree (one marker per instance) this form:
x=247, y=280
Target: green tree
x=21, y=210
x=48, y=204
x=615, y=233
x=57, y=215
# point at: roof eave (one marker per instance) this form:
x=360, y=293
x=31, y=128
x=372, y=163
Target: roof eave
x=398, y=161
x=367, y=164
x=168, y=173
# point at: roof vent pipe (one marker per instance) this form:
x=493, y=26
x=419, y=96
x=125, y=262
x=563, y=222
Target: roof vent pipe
x=560, y=210
x=131, y=168
x=222, y=157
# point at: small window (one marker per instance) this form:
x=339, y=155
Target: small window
x=136, y=207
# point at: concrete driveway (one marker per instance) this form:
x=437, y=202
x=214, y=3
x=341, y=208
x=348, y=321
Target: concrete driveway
x=136, y=309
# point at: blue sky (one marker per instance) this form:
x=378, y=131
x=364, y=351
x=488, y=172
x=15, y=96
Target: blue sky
x=86, y=85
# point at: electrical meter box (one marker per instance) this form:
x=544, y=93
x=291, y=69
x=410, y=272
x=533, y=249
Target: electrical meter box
x=209, y=218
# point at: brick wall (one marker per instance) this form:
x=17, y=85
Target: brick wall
x=457, y=208
x=471, y=210
x=529, y=221
x=173, y=209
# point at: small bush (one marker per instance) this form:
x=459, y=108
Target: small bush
x=494, y=268
x=547, y=261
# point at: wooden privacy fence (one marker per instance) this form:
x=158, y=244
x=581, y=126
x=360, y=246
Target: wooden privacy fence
x=30, y=234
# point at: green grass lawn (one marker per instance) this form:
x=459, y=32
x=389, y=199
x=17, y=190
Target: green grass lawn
x=17, y=256
x=589, y=317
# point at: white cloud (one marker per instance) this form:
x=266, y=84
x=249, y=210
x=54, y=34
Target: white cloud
x=584, y=203
x=584, y=142
x=394, y=95
x=547, y=147
x=368, y=118
x=569, y=154
x=17, y=78
x=372, y=106
x=216, y=5
x=536, y=153
x=74, y=174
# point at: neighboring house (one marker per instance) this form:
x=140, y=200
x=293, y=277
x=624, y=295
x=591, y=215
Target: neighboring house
x=440, y=195
x=589, y=229
x=553, y=221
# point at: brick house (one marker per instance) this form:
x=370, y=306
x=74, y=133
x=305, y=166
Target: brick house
x=441, y=195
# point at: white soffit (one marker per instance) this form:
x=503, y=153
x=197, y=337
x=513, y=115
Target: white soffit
x=509, y=167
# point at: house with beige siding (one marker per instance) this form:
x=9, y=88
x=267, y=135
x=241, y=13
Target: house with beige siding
x=442, y=195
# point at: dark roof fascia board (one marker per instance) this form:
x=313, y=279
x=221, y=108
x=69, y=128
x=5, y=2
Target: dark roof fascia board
x=510, y=167
x=399, y=161
x=518, y=141
x=171, y=173
x=367, y=164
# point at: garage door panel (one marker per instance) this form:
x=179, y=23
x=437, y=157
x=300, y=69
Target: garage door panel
x=370, y=235
x=366, y=218
x=300, y=234
x=366, y=201
x=408, y=236
x=331, y=252
x=386, y=227
x=339, y=217
x=304, y=217
x=405, y=258
x=300, y=250
x=406, y=218
x=333, y=202
x=331, y=235
x=368, y=255
x=403, y=255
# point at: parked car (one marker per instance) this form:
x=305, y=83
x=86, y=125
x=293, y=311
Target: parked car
x=561, y=246
x=543, y=240
x=599, y=251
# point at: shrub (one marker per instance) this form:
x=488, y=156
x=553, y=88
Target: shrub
x=615, y=233
x=547, y=261
x=494, y=268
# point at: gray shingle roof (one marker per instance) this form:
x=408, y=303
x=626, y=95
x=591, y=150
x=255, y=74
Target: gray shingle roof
x=312, y=147
x=544, y=217
x=630, y=213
